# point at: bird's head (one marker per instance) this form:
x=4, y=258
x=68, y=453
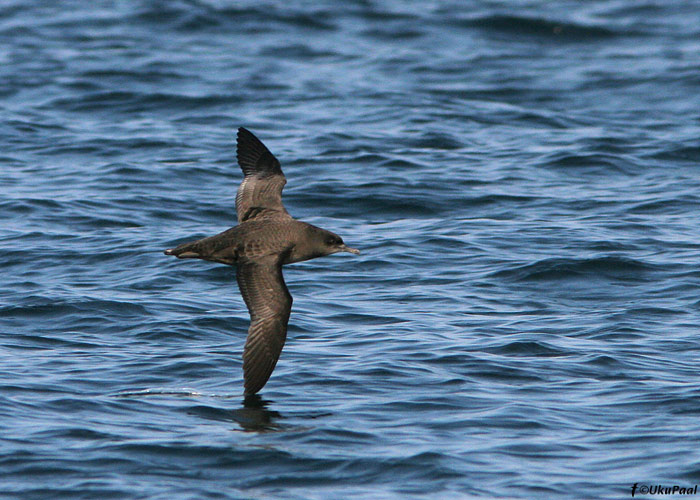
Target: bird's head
x=332, y=243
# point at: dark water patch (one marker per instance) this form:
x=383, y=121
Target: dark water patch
x=605, y=361
x=678, y=153
x=184, y=369
x=125, y=101
x=371, y=12
x=611, y=247
x=618, y=333
x=655, y=312
x=78, y=490
x=196, y=16
x=299, y=51
x=559, y=269
x=27, y=341
x=436, y=141
x=211, y=413
x=541, y=28
x=393, y=164
x=609, y=145
x=589, y=163
x=33, y=126
x=544, y=119
x=33, y=204
x=79, y=434
x=167, y=333
x=498, y=199
x=50, y=309
x=87, y=80
x=528, y=348
x=181, y=15
x=392, y=34
x=676, y=205
x=420, y=205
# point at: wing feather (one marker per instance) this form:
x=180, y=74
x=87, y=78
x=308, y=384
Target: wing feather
x=269, y=303
x=260, y=193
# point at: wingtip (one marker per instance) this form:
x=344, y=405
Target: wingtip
x=245, y=135
x=253, y=156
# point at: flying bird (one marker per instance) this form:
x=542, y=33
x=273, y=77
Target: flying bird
x=265, y=239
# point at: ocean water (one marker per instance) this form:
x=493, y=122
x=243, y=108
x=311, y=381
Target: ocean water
x=522, y=178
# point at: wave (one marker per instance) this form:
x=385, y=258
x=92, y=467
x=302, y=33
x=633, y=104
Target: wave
x=44, y=308
x=540, y=27
x=558, y=269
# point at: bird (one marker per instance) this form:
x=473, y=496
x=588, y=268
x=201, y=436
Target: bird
x=266, y=238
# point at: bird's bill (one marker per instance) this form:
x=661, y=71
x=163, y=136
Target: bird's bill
x=346, y=248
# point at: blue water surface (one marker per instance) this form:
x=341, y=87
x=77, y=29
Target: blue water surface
x=523, y=181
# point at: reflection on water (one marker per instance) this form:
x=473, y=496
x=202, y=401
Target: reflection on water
x=255, y=417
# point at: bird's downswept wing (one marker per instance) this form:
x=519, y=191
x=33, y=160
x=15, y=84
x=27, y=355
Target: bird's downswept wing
x=260, y=193
x=269, y=303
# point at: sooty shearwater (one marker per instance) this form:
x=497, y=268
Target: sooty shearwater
x=265, y=239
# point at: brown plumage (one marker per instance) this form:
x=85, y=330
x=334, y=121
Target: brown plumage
x=265, y=239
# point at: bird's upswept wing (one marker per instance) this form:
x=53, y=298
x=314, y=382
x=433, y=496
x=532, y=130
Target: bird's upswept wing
x=269, y=303
x=260, y=193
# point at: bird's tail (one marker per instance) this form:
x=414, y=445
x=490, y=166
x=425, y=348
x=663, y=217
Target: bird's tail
x=187, y=250
x=213, y=248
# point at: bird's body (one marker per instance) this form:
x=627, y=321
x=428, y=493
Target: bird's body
x=256, y=239
x=265, y=239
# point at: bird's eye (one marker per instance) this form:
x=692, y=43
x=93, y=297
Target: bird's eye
x=332, y=241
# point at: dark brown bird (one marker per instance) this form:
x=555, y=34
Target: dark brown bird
x=265, y=239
